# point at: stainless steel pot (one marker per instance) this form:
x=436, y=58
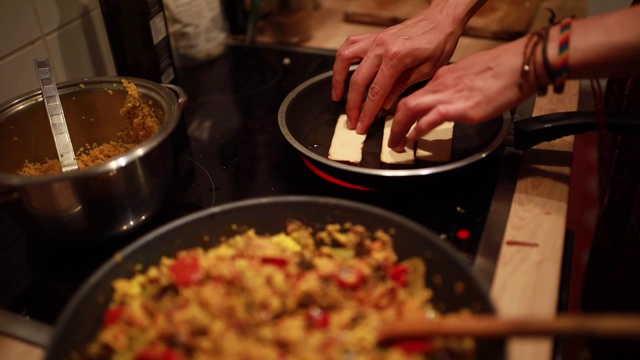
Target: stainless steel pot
x=99, y=201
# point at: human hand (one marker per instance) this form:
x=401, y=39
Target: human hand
x=475, y=89
x=390, y=62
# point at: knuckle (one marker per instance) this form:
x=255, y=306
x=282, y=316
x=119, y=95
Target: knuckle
x=379, y=41
x=344, y=53
x=395, y=53
x=351, y=39
x=408, y=105
x=374, y=92
x=441, y=112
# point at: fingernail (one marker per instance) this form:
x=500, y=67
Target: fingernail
x=333, y=95
x=400, y=145
x=359, y=128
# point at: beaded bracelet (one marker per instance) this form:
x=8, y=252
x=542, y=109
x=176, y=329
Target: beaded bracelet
x=562, y=71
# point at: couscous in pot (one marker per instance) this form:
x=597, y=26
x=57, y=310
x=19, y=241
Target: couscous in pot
x=102, y=199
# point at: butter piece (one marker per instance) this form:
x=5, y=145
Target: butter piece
x=436, y=145
x=388, y=156
x=346, y=144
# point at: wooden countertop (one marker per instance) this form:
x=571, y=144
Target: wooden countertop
x=526, y=280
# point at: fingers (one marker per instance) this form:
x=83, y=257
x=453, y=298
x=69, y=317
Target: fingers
x=417, y=117
x=350, y=52
x=339, y=77
x=377, y=93
x=405, y=117
x=358, y=89
x=427, y=123
x=404, y=81
x=401, y=84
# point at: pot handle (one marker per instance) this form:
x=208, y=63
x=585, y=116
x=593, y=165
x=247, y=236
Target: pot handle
x=538, y=129
x=180, y=94
x=25, y=330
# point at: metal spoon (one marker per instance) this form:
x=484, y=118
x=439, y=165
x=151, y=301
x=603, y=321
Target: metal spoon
x=57, y=120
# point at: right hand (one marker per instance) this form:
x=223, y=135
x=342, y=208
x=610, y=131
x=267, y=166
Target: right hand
x=390, y=62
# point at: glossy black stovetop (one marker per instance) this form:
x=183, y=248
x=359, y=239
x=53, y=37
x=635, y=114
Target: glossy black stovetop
x=229, y=147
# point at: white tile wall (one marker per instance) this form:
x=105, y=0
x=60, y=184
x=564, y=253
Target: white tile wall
x=68, y=32
x=18, y=25
x=53, y=14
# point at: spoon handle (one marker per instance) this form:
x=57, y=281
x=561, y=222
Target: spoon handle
x=56, y=115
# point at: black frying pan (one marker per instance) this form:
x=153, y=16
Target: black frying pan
x=307, y=119
x=81, y=318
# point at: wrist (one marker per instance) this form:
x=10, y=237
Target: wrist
x=532, y=74
x=458, y=12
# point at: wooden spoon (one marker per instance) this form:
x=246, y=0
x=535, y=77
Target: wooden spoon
x=613, y=325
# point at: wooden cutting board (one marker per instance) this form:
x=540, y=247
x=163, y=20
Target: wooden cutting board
x=497, y=19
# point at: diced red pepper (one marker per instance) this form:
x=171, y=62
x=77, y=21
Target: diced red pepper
x=318, y=318
x=186, y=271
x=400, y=274
x=350, y=278
x=279, y=262
x=113, y=315
x=422, y=346
x=158, y=353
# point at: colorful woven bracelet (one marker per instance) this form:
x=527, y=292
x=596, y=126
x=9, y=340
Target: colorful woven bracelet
x=562, y=70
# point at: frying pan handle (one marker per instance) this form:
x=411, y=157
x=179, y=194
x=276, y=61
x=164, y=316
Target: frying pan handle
x=26, y=330
x=538, y=129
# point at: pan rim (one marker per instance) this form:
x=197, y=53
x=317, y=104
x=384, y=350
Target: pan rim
x=481, y=154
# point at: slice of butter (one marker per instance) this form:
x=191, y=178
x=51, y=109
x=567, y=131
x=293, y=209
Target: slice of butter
x=388, y=156
x=436, y=145
x=346, y=144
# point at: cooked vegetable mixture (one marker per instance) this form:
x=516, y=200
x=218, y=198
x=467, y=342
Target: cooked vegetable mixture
x=298, y=294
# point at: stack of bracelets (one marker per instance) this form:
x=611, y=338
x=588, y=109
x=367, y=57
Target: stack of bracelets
x=559, y=75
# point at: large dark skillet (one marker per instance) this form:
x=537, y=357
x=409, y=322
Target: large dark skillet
x=81, y=318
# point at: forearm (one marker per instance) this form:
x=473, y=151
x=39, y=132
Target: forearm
x=451, y=14
x=601, y=46
x=459, y=10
